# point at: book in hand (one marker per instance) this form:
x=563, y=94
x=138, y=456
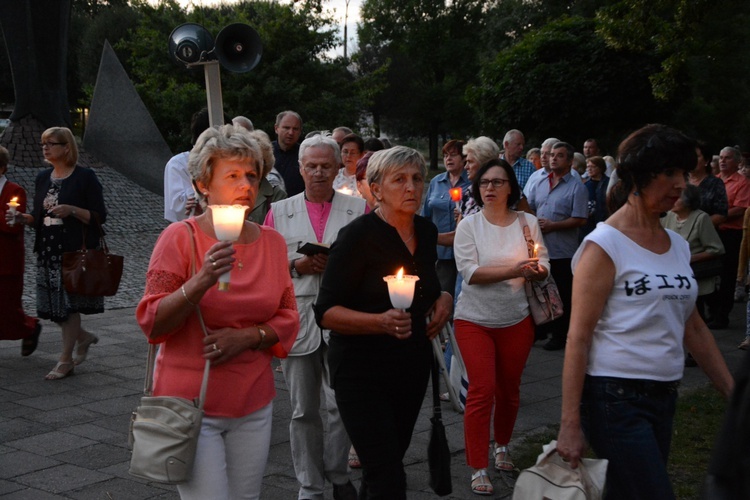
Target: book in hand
x=311, y=249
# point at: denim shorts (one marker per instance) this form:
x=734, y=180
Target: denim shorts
x=629, y=422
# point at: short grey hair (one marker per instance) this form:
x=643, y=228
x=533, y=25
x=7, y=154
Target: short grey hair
x=243, y=121
x=283, y=114
x=321, y=140
x=484, y=148
x=218, y=143
x=550, y=142
x=512, y=133
x=387, y=160
x=736, y=152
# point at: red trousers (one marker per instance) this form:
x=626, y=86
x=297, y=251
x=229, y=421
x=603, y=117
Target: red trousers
x=15, y=323
x=495, y=359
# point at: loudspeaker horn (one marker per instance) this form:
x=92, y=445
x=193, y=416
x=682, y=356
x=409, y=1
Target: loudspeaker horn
x=238, y=48
x=189, y=43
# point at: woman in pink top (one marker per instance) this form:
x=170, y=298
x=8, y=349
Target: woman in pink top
x=246, y=325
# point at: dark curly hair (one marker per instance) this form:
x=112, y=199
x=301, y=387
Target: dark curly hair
x=646, y=153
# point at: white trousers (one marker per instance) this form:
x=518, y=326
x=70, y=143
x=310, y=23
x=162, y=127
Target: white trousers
x=231, y=458
x=319, y=451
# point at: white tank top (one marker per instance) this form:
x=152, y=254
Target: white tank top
x=640, y=332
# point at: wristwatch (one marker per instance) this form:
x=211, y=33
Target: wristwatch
x=293, y=270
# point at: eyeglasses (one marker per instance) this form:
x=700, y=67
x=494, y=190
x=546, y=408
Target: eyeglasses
x=348, y=152
x=496, y=183
x=50, y=144
x=323, y=169
x=448, y=155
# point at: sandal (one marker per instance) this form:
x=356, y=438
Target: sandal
x=57, y=373
x=83, y=349
x=481, y=484
x=353, y=459
x=28, y=345
x=502, y=459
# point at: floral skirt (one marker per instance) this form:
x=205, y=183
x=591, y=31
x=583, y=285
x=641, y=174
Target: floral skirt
x=53, y=302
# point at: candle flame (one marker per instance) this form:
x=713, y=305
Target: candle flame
x=400, y=274
x=14, y=199
x=455, y=194
x=536, y=249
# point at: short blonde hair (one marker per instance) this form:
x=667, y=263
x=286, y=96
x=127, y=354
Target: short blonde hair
x=64, y=135
x=266, y=149
x=483, y=148
x=224, y=142
x=387, y=160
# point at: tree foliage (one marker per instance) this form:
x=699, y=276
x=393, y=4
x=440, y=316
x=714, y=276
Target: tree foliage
x=424, y=54
x=563, y=81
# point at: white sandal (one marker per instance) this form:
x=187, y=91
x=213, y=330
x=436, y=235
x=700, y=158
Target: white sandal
x=483, y=486
x=502, y=462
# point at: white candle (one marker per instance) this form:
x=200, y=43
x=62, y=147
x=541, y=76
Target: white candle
x=228, y=221
x=12, y=206
x=401, y=289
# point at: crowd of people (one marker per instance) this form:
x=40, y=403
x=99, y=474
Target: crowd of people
x=648, y=249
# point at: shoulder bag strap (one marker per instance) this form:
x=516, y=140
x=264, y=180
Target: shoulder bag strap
x=152, y=348
x=529, y=240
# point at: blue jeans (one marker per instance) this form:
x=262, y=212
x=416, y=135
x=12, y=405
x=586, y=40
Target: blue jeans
x=629, y=422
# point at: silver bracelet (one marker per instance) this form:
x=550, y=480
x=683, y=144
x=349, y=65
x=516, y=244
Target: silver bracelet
x=262, y=337
x=184, y=294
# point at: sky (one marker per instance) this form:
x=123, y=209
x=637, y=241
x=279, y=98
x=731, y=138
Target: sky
x=338, y=5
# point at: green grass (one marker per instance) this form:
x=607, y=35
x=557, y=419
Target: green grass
x=699, y=415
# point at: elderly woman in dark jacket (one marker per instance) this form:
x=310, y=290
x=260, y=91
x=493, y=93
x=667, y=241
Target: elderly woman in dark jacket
x=67, y=201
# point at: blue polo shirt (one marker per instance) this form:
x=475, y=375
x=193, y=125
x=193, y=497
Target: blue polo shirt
x=438, y=207
x=568, y=199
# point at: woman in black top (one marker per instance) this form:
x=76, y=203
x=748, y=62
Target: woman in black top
x=379, y=356
x=67, y=201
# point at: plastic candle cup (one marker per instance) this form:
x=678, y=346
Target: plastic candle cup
x=228, y=221
x=401, y=289
x=12, y=208
x=456, y=195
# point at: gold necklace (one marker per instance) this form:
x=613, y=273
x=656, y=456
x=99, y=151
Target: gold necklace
x=382, y=216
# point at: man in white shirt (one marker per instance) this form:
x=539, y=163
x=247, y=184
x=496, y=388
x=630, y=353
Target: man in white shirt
x=179, y=195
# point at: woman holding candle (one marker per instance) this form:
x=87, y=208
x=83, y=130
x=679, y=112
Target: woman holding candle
x=633, y=311
x=16, y=324
x=492, y=255
x=379, y=356
x=68, y=201
x=352, y=149
x=440, y=208
x=246, y=324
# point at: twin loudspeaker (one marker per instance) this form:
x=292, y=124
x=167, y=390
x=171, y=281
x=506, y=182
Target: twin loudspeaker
x=237, y=47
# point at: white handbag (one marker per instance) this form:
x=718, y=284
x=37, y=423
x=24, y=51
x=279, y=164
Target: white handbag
x=553, y=479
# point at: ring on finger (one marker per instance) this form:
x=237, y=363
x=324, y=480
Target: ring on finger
x=213, y=264
x=214, y=346
x=211, y=258
x=396, y=329
x=219, y=351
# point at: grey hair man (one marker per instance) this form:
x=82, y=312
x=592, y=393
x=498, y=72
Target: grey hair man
x=737, y=187
x=513, y=144
x=319, y=448
x=288, y=129
x=542, y=173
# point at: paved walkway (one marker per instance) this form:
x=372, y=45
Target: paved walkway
x=68, y=438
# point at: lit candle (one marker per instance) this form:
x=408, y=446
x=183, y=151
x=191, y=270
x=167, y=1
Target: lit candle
x=536, y=250
x=228, y=221
x=345, y=190
x=456, y=196
x=401, y=289
x=12, y=206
